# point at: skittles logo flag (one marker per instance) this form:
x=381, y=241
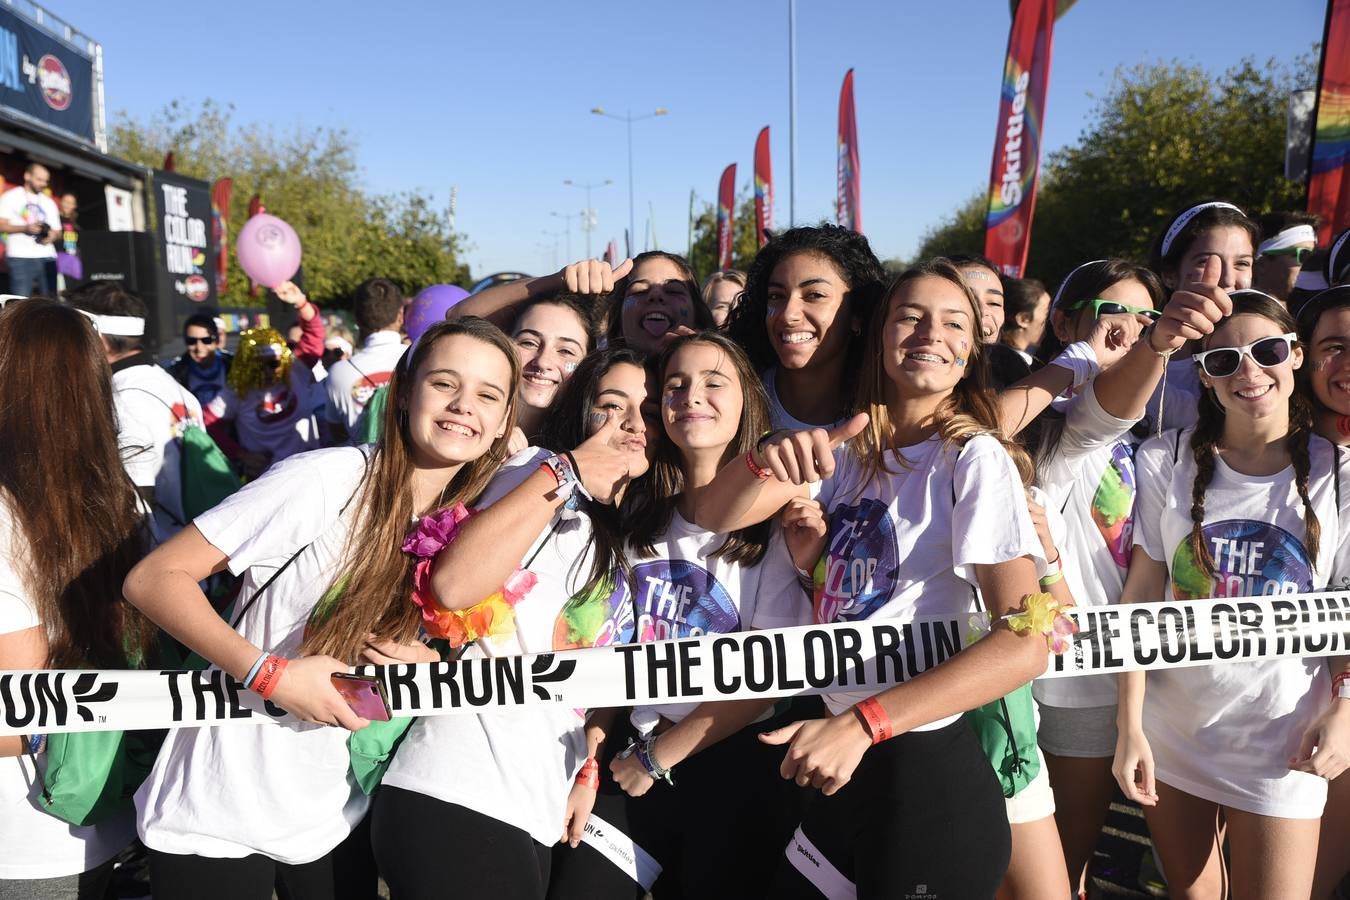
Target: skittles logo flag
x=1017, y=143
x=1251, y=559
x=763, y=188
x=848, y=203
x=726, y=209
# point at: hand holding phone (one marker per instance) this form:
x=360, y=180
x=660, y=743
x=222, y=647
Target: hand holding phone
x=364, y=694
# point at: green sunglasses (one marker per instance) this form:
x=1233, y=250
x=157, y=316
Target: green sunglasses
x=1298, y=253
x=1102, y=307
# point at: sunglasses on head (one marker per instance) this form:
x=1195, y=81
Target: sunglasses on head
x=1266, y=352
x=194, y=341
x=1102, y=307
x=1298, y=253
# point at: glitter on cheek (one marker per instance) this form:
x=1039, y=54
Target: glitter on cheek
x=569, y=367
x=1320, y=364
x=597, y=420
x=668, y=400
x=960, y=363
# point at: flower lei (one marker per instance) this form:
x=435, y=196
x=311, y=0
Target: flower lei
x=1041, y=613
x=493, y=617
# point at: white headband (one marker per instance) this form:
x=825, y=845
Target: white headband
x=337, y=343
x=1185, y=218
x=1336, y=249
x=1054, y=304
x=116, y=326
x=1290, y=237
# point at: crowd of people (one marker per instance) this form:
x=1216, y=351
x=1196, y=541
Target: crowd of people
x=620, y=454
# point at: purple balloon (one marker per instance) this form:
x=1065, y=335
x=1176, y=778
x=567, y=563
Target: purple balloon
x=429, y=307
x=269, y=250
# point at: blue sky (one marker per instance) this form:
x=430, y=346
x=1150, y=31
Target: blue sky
x=495, y=97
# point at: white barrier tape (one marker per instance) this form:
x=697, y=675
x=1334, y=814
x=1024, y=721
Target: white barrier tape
x=782, y=662
x=622, y=851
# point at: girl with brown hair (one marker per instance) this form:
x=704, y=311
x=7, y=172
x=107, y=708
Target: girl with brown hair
x=227, y=812
x=924, y=506
x=1245, y=503
x=71, y=527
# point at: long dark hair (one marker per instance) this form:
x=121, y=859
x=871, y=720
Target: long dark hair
x=1209, y=430
x=375, y=579
x=859, y=267
x=567, y=425
x=969, y=410
x=651, y=500
x=78, y=526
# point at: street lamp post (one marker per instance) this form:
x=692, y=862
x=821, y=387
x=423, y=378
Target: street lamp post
x=567, y=222
x=628, y=119
x=588, y=214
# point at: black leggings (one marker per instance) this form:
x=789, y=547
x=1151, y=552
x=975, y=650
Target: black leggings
x=427, y=848
x=345, y=873
x=923, y=816
x=718, y=833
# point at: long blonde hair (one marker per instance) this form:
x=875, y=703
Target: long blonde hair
x=371, y=591
x=969, y=410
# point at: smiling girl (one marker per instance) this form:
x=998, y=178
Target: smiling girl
x=226, y=812
x=924, y=507
x=552, y=337
x=1244, y=504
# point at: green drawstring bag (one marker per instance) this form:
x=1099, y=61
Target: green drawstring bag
x=372, y=749
x=90, y=776
x=371, y=424
x=1006, y=729
x=206, y=474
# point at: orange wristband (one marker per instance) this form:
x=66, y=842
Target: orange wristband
x=589, y=776
x=265, y=682
x=874, y=719
x=755, y=468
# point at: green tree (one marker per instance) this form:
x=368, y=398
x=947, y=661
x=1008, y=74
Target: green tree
x=1161, y=137
x=309, y=177
x=744, y=246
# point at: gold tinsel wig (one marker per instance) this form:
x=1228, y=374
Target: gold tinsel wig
x=252, y=366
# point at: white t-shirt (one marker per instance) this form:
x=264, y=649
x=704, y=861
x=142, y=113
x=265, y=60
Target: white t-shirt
x=280, y=790
x=18, y=207
x=779, y=417
x=278, y=419
x=906, y=543
x=352, y=382
x=515, y=766
x=36, y=844
x=1089, y=475
x=152, y=411
x=1226, y=732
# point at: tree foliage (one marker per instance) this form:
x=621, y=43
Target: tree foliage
x=310, y=178
x=744, y=246
x=1162, y=136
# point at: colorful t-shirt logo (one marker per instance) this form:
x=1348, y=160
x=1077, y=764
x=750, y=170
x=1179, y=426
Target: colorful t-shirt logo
x=1113, y=503
x=674, y=598
x=861, y=560
x=1251, y=559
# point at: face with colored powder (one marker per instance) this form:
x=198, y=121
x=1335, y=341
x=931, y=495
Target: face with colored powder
x=621, y=393
x=1329, y=358
x=657, y=300
x=550, y=341
x=927, y=337
x=989, y=291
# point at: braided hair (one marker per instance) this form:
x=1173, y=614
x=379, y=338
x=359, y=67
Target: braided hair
x=1209, y=430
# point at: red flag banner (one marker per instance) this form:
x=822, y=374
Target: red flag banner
x=763, y=187
x=848, y=205
x=1017, y=143
x=726, y=209
x=1329, y=171
x=220, y=229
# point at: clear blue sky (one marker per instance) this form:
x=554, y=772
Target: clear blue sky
x=495, y=97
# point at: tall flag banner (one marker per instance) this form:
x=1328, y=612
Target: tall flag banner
x=255, y=206
x=220, y=229
x=848, y=204
x=1329, y=171
x=726, y=209
x=1017, y=143
x=763, y=187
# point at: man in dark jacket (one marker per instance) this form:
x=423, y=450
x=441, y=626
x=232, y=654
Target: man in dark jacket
x=202, y=369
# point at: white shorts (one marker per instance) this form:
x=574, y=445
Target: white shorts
x=1035, y=801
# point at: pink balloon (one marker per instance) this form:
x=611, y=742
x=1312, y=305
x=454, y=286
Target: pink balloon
x=269, y=250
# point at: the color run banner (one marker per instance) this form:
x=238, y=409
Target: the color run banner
x=726, y=211
x=220, y=230
x=763, y=188
x=868, y=654
x=848, y=203
x=1329, y=169
x=1017, y=143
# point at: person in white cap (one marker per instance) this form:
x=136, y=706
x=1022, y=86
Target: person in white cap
x=1286, y=240
x=152, y=408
